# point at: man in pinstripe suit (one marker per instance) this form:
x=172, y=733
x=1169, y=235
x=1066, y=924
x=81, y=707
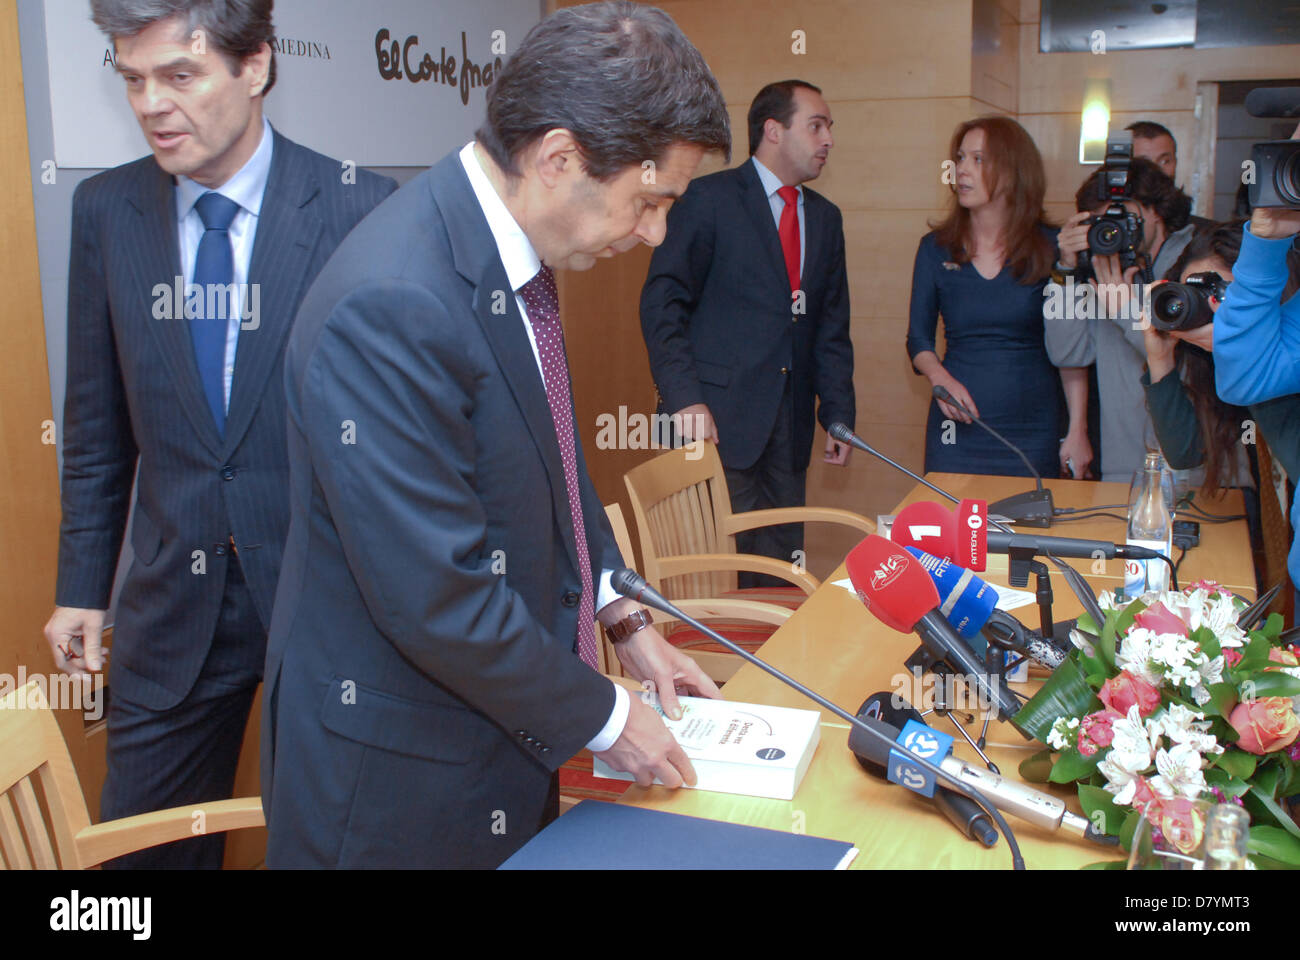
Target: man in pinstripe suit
x=186, y=271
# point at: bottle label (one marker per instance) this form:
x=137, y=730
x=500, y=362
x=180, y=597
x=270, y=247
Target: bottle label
x=1143, y=575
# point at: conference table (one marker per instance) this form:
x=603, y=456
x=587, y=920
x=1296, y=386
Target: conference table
x=835, y=646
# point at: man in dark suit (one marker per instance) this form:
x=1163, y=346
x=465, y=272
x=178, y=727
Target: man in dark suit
x=745, y=313
x=431, y=655
x=187, y=268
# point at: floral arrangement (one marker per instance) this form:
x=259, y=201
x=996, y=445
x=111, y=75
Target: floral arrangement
x=1170, y=701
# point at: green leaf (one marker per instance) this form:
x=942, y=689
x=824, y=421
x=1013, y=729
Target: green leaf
x=1274, y=843
x=1085, y=623
x=1229, y=784
x=1275, y=684
x=1071, y=765
x=1273, y=626
x=1037, y=767
x=1276, y=811
x=1253, y=656
x=1204, y=637
x=1099, y=807
x=1266, y=779
x=1236, y=763
x=1106, y=643
x=1223, y=697
x=1127, y=829
x=1065, y=694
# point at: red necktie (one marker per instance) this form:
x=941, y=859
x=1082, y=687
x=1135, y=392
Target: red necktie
x=789, y=231
x=543, y=303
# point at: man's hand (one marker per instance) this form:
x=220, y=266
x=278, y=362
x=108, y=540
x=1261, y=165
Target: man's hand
x=1076, y=454
x=74, y=635
x=836, y=452
x=647, y=750
x=1113, y=287
x=662, y=668
x=695, y=423
x=1073, y=239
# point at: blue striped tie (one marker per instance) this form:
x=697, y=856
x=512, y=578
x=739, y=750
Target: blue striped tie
x=215, y=264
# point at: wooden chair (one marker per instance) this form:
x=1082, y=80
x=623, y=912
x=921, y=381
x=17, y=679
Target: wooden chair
x=718, y=665
x=688, y=540
x=33, y=752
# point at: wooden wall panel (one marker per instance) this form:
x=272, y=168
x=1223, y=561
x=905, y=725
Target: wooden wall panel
x=29, y=489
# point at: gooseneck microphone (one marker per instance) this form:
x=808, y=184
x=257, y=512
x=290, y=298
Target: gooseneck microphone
x=844, y=435
x=1034, y=509
x=632, y=585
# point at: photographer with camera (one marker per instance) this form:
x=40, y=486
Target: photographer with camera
x=1257, y=330
x=1193, y=424
x=1131, y=226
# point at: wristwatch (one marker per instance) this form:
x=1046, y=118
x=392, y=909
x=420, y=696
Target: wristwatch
x=635, y=621
x=1060, y=272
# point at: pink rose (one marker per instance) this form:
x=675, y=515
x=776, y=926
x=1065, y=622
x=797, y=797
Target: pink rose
x=1265, y=725
x=1143, y=795
x=1284, y=657
x=1095, y=731
x=1160, y=619
x=1182, y=824
x=1120, y=693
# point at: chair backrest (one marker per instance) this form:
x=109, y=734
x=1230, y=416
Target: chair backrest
x=680, y=502
x=33, y=755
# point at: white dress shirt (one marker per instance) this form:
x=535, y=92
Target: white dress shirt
x=771, y=184
x=522, y=263
x=245, y=188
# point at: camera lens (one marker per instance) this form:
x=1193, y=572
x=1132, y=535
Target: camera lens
x=1106, y=236
x=1288, y=178
x=1180, y=306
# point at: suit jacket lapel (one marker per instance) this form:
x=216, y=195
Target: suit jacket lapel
x=153, y=240
x=287, y=233
x=760, y=212
x=474, y=253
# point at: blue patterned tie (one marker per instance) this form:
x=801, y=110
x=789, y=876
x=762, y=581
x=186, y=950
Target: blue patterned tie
x=215, y=264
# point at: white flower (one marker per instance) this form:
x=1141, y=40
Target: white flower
x=1179, y=772
x=1062, y=733
x=1130, y=748
x=1080, y=640
x=1135, y=656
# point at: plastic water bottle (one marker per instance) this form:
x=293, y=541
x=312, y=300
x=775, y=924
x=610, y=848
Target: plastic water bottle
x=1149, y=525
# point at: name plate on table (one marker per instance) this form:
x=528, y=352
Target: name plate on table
x=744, y=748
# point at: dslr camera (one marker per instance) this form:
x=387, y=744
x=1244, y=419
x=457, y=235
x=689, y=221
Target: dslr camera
x=1188, y=305
x=1276, y=163
x=1115, y=230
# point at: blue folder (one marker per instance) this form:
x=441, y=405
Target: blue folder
x=612, y=836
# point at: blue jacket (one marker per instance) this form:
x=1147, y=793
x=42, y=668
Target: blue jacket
x=1257, y=338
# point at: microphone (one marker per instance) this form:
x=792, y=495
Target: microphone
x=1034, y=509
x=961, y=536
x=1279, y=102
x=970, y=604
x=1040, y=809
x=898, y=591
x=844, y=435
x=632, y=585
x=963, y=812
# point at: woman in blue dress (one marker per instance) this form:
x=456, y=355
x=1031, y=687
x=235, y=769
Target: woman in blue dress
x=984, y=269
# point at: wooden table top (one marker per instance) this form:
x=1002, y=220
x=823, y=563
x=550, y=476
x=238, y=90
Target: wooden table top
x=835, y=646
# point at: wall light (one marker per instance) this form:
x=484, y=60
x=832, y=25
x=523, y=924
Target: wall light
x=1095, y=121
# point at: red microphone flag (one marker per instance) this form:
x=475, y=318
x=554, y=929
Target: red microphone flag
x=891, y=582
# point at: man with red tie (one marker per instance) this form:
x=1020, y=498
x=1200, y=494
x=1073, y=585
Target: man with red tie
x=432, y=658
x=745, y=313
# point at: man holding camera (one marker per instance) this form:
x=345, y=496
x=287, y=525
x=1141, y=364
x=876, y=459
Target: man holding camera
x=1147, y=225
x=1256, y=334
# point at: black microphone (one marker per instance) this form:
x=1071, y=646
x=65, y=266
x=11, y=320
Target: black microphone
x=1000, y=542
x=632, y=585
x=1280, y=102
x=962, y=812
x=1034, y=509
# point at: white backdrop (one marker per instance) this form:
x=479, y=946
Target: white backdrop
x=331, y=92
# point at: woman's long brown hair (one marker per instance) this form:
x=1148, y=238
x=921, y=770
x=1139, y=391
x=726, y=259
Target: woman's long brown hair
x=1011, y=156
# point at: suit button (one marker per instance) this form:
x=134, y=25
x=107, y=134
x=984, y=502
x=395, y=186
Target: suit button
x=785, y=369
x=546, y=749
x=219, y=549
x=570, y=599
x=227, y=473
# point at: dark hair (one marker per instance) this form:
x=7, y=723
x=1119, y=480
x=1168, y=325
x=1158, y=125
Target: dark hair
x=1009, y=151
x=1149, y=130
x=1148, y=185
x=237, y=28
x=773, y=102
x=1220, y=429
x=621, y=77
